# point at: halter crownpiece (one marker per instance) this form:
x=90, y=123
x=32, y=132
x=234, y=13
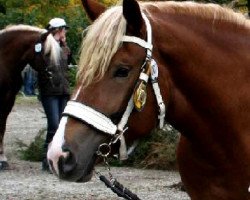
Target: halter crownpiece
x=138, y=99
x=145, y=44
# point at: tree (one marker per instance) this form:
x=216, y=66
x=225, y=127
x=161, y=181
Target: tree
x=2, y=8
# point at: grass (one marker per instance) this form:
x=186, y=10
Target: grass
x=21, y=99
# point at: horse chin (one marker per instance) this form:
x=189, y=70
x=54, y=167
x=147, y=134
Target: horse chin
x=85, y=178
x=76, y=172
x=77, y=177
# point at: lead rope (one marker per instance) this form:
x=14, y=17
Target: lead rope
x=104, y=151
x=114, y=185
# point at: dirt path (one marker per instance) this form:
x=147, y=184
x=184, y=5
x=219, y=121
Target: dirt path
x=27, y=181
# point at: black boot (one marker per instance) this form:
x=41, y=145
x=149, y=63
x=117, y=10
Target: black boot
x=45, y=165
x=4, y=165
x=49, y=137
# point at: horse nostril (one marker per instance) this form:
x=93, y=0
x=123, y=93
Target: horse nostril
x=65, y=148
x=66, y=164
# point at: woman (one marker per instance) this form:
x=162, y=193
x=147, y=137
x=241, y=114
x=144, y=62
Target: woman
x=53, y=86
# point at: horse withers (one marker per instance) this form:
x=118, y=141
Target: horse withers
x=21, y=45
x=202, y=54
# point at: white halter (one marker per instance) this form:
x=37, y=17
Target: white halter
x=104, y=124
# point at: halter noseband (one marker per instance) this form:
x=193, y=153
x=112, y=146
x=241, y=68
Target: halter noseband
x=102, y=123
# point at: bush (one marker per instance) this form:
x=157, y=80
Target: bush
x=34, y=151
x=157, y=151
x=72, y=76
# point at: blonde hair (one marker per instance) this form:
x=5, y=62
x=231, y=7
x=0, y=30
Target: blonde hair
x=52, y=46
x=101, y=42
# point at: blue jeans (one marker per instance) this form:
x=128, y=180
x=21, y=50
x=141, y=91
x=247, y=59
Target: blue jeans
x=53, y=107
x=29, y=81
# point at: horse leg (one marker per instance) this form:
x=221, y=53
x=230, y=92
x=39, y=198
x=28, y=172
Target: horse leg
x=6, y=102
x=3, y=160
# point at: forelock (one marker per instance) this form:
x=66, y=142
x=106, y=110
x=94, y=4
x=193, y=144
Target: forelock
x=101, y=42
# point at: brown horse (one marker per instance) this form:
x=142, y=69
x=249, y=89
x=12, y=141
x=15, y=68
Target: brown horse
x=202, y=53
x=20, y=45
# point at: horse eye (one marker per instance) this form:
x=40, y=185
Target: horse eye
x=121, y=72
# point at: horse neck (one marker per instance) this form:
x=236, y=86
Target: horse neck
x=194, y=62
x=14, y=48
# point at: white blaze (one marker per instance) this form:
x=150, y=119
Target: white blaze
x=55, y=147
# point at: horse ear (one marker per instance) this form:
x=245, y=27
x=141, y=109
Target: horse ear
x=93, y=8
x=133, y=16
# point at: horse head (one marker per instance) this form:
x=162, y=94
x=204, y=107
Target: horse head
x=111, y=93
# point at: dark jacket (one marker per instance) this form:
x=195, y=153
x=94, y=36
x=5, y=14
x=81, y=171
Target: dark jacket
x=56, y=80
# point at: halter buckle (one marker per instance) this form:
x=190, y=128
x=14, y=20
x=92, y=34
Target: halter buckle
x=104, y=150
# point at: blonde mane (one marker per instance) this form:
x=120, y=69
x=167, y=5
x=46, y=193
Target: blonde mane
x=100, y=44
x=51, y=45
x=103, y=37
x=21, y=27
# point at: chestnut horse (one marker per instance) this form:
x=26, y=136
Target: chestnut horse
x=20, y=45
x=202, y=53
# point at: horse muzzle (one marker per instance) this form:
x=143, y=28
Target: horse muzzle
x=64, y=164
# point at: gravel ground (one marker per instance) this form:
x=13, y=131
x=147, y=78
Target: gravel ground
x=27, y=181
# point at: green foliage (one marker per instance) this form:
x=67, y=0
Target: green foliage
x=241, y=5
x=72, y=76
x=34, y=151
x=109, y=2
x=157, y=151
